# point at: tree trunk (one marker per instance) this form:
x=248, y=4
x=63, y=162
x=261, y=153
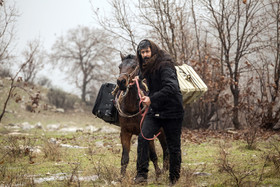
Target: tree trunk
x=188, y=117
x=235, y=118
x=83, y=96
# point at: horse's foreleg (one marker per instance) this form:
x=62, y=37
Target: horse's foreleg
x=154, y=158
x=125, y=140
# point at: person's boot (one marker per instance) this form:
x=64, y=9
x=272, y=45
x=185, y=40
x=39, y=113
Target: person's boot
x=140, y=179
x=172, y=183
x=173, y=180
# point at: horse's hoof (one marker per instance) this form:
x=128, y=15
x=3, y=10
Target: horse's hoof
x=158, y=173
x=121, y=178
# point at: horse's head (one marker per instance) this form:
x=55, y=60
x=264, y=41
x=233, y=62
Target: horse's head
x=128, y=71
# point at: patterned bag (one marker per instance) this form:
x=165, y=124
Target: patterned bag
x=191, y=85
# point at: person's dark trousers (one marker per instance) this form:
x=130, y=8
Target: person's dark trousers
x=172, y=129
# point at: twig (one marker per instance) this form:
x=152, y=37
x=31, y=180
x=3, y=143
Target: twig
x=12, y=86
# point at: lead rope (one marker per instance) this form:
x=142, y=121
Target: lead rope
x=145, y=112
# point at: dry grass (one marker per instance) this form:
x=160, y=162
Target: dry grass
x=228, y=164
x=52, y=150
x=239, y=175
x=15, y=147
x=273, y=156
x=18, y=175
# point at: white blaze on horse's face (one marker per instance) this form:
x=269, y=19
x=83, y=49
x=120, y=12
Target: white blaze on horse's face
x=146, y=53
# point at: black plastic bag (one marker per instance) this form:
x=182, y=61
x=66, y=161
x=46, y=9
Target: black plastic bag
x=104, y=107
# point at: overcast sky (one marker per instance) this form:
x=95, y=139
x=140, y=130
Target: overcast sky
x=48, y=19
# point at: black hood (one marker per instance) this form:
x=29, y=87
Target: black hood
x=158, y=57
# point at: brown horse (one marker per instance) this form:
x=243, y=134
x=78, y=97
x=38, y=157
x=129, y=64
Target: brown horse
x=127, y=102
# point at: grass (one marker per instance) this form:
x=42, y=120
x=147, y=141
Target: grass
x=105, y=161
x=207, y=157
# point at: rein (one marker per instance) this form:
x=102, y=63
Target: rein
x=142, y=111
x=143, y=114
x=130, y=75
x=122, y=94
x=123, y=114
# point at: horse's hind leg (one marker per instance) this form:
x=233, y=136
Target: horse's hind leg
x=153, y=157
x=125, y=140
x=163, y=143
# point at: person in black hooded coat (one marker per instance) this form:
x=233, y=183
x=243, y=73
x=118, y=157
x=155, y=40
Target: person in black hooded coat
x=165, y=108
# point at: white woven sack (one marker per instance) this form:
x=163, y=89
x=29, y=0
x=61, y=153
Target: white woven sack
x=191, y=85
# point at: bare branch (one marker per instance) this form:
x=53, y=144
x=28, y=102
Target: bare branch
x=84, y=52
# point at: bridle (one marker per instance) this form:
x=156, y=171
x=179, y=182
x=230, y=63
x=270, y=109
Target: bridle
x=129, y=77
x=120, y=96
x=142, y=111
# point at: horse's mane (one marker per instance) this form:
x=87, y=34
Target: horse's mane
x=130, y=56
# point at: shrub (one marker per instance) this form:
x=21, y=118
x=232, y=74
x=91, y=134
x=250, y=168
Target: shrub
x=14, y=147
x=5, y=72
x=240, y=175
x=107, y=172
x=44, y=81
x=61, y=99
x=274, y=155
x=16, y=176
x=251, y=138
x=52, y=150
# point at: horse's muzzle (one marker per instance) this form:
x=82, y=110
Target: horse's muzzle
x=122, y=84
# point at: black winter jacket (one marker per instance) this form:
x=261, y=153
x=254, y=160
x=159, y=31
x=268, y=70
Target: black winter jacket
x=165, y=94
x=164, y=90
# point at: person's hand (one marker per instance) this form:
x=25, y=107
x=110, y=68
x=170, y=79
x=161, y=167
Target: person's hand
x=136, y=78
x=146, y=100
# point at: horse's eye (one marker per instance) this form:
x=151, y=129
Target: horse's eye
x=120, y=66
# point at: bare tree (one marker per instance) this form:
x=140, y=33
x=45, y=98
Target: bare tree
x=85, y=55
x=238, y=27
x=120, y=24
x=168, y=23
x=15, y=83
x=268, y=71
x=164, y=21
x=218, y=38
x=8, y=16
x=35, y=54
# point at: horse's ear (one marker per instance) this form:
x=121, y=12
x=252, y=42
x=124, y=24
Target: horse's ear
x=122, y=56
